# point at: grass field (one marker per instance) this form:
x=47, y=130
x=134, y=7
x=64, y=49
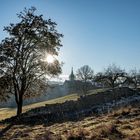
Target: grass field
x=9, y=112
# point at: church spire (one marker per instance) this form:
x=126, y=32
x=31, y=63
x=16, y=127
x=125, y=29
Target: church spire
x=72, y=76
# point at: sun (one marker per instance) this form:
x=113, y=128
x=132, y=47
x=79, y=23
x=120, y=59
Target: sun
x=50, y=58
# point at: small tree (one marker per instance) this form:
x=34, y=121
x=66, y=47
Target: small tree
x=112, y=77
x=133, y=78
x=85, y=74
x=22, y=56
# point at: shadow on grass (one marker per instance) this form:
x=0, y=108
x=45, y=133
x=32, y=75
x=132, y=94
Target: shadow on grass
x=46, y=119
x=6, y=129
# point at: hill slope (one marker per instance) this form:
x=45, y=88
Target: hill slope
x=9, y=112
x=122, y=124
x=104, y=121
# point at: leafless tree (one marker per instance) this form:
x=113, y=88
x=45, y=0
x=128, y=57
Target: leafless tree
x=112, y=76
x=85, y=74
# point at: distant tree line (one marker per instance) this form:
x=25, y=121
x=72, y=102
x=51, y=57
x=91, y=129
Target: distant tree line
x=112, y=76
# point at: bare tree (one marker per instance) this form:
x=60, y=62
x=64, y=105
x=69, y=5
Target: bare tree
x=22, y=56
x=99, y=78
x=112, y=76
x=85, y=74
x=133, y=78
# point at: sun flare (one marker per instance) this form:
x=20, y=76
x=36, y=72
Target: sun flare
x=50, y=58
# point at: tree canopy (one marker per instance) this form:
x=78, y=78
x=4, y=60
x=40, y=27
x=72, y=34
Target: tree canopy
x=22, y=56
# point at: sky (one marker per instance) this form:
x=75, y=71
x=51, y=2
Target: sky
x=96, y=32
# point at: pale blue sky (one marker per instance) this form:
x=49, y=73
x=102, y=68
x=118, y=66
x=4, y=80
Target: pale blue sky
x=96, y=32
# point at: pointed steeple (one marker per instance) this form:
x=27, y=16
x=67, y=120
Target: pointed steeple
x=72, y=76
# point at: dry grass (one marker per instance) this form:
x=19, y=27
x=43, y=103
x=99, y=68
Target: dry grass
x=9, y=112
x=96, y=91
x=123, y=124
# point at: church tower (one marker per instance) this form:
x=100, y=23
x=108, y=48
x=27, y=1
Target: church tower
x=72, y=76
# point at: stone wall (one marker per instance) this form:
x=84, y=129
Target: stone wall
x=108, y=96
x=87, y=102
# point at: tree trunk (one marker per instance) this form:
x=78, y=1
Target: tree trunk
x=85, y=89
x=19, y=106
x=113, y=84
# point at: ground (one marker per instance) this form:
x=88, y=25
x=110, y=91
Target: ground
x=123, y=124
x=119, y=124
